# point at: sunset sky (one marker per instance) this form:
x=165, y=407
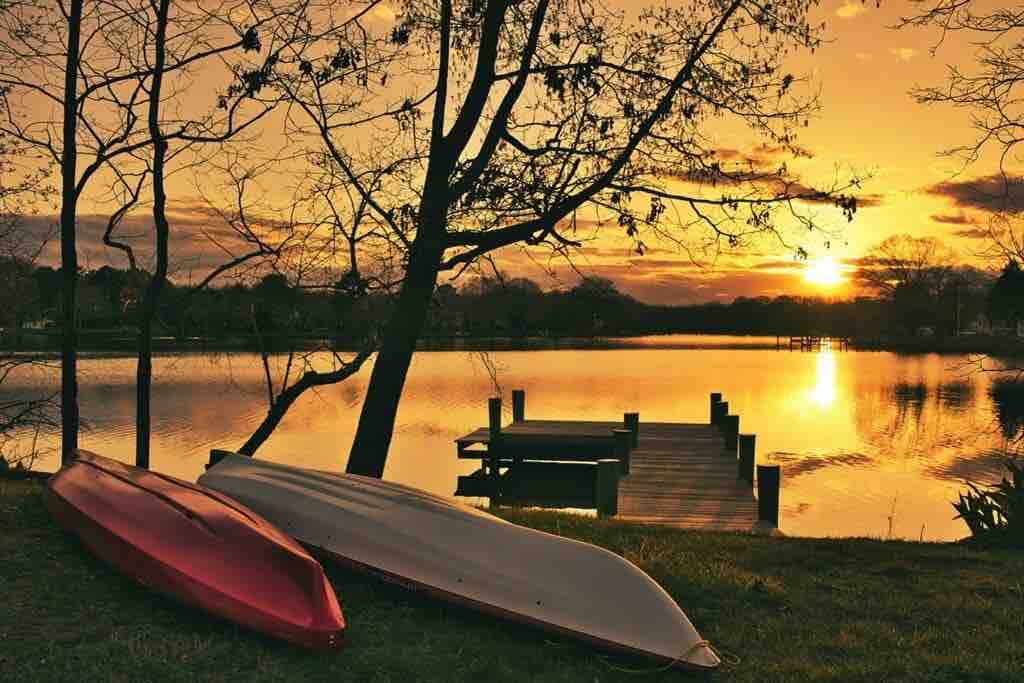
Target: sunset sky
x=868, y=123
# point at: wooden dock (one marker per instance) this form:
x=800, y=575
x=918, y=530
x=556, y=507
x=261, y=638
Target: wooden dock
x=677, y=474
x=681, y=475
x=812, y=342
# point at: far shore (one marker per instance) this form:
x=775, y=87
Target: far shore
x=123, y=341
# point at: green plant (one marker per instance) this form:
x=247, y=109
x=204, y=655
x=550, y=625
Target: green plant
x=995, y=514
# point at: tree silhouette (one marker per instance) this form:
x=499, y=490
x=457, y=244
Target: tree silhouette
x=524, y=123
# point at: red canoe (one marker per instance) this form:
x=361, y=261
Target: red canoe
x=197, y=546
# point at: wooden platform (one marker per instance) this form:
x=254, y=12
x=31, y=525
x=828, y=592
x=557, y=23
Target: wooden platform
x=680, y=474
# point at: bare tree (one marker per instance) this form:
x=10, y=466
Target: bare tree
x=485, y=124
x=31, y=408
x=342, y=251
x=906, y=262
x=991, y=91
x=131, y=108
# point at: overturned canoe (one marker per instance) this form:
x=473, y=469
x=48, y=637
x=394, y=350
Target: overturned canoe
x=197, y=546
x=468, y=557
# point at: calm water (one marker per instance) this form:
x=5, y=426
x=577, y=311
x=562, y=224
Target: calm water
x=871, y=443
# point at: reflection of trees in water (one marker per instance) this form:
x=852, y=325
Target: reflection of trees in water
x=924, y=417
x=1007, y=394
x=956, y=395
x=909, y=398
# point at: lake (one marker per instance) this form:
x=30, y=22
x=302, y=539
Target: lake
x=870, y=443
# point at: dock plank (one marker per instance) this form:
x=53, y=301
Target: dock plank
x=680, y=476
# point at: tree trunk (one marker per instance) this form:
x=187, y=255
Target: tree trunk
x=147, y=311
x=377, y=419
x=68, y=250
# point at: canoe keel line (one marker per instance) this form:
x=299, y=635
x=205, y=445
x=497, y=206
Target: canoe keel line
x=469, y=558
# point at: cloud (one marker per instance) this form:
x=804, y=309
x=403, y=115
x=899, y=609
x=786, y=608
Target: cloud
x=674, y=281
x=904, y=54
x=973, y=234
x=777, y=265
x=199, y=239
x=850, y=9
x=951, y=219
x=993, y=193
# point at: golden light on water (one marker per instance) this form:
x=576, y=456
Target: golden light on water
x=824, y=391
x=824, y=272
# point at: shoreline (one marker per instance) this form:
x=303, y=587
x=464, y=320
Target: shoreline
x=103, y=343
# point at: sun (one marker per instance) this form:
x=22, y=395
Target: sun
x=824, y=272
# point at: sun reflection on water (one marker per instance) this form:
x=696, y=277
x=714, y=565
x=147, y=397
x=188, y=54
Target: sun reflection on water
x=824, y=391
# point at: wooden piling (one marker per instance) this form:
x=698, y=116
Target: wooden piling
x=769, y=479
x=745, y=463
x=518, y=405
x=716, y=397
x=731, y=429
x=721, y=409
x=623, y=447
x=607, y=487
x=631, y=421
x=493, y=447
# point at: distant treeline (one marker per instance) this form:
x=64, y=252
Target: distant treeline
x=482, y=307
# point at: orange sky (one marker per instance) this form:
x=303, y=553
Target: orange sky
x=867, y=123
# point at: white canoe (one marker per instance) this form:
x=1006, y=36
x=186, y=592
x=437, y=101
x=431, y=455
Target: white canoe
x=466, y=556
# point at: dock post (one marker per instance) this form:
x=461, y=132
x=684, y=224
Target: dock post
x=745, y=464
x=731, y=427
x=716, y=397
x=631, y=421
x=768, y=483
x=607, y=487
x=518, y=405
x=721, y=410
x=623, y=446
x=493, y=449
x=216, y=455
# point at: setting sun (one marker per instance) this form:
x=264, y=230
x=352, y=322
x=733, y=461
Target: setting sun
x=824, y=272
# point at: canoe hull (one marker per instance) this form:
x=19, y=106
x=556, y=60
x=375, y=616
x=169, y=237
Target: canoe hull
x=197, y=547
x=467, y=557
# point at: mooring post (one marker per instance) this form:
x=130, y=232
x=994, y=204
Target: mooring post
x=493, y=447
x=732, y=431
x=716, y=397
x=721, y=410
x=623, y=446
x=745, y=464
x=216, y=455
x=768, y=481
x=518, y=405
x=631, y=421
x=607, y=487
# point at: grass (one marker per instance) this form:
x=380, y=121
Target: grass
x=777, y=609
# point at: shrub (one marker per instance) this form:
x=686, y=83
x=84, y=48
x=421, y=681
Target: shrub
x=995, y=514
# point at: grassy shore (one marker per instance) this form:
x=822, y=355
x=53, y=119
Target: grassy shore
x=777, y=609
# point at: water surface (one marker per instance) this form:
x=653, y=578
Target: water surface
x=870, y=443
